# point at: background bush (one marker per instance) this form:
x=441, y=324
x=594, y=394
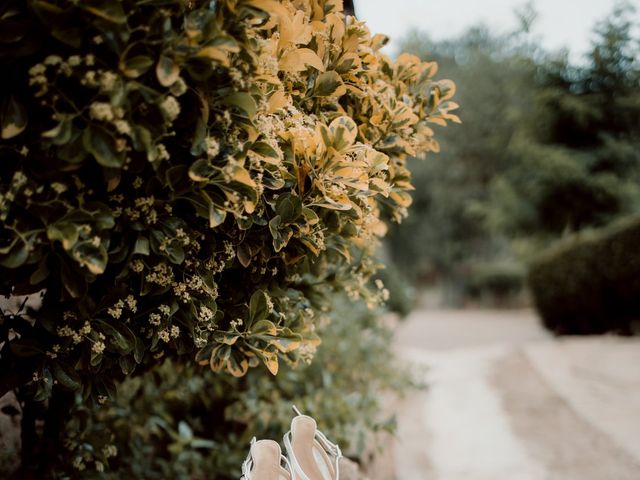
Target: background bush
x=551, y=148
x=495, y=282
x=588, y=283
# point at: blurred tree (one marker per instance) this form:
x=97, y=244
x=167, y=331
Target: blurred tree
x=575, y=162
x=444, y=237
x=548, y=148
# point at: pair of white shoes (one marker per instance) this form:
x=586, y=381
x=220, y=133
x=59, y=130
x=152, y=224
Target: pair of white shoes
x=310, y=455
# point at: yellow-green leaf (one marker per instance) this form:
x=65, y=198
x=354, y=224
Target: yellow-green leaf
x=167, y=71
x=344, y=132
x=14, y=118
x=329, y=84
x=298, y=60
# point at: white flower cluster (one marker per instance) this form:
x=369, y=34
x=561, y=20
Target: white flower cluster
x=170, y=108
x=117, y=309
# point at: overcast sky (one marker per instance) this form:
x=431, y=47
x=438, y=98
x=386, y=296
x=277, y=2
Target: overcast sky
x=561, y=23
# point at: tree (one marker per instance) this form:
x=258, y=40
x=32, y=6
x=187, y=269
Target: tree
x=575, y=163
x=445, y=236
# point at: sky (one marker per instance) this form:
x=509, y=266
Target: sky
x=560, y=23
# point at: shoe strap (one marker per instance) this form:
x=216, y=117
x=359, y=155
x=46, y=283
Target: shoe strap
x=330, y=447
x=247, y=465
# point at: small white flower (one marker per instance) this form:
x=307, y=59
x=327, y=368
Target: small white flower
x=108, y=81
x=98, y=347
x=37, y=69
x=170, y=107
x=53, y=60
x=122, y=126
x=101, y=111
x=213, y=147
x=59, y=187
x=132, y=303
x=164, y=336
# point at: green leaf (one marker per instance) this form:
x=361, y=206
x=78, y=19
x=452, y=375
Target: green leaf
x=237, y=365
x=127, y=365
x=120, y=336
x=264, y=328
x=344, y=132
x=242, y=101
x=281, y=239
x=266, y=152
x=74, y=282
x=66, y=233
x=73, y=152
x=329, y=84
x=102, y=146
x=24, y=350
x=258, y=307
x=15, y=254
x=288, y=207
x=93, y=257
x=185, y=431
x=175, y=253
x=286, y=345
x=142, y=246
x=281, y=235
x=67, y=376
x=13, y=119
x=310, y=216
x=216, y=216
x=228, y=339
x=244, y=255
x=41, y=274
x=201, y=170
x=270, y=360
x=44, y=386
x=136, y=66
x=108, y=10
x=61, y=134
x=167, y=71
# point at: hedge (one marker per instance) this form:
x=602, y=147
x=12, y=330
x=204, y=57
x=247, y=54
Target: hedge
x=589, y=283
x=194, y=181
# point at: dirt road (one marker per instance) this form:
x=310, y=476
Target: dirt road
x=506, y=401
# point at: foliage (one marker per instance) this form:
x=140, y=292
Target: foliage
x=444, y=236
x=175, y=422
x=400, y=293
x=550, y=148
x=495, y=282
x=195, y=176
x=588, y=283
x=575, y=163
x=191, y=180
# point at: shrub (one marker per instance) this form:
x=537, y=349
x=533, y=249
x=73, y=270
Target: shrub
x=588, y=283
x=400, y=295
x=194, y=180
x=496, y=281
x=176, y=422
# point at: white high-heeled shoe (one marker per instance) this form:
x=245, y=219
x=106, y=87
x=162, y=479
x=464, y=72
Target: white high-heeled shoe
x=311, y=455
x=265, y=462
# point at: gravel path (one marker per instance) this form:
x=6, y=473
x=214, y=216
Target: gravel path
x=507, y=401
